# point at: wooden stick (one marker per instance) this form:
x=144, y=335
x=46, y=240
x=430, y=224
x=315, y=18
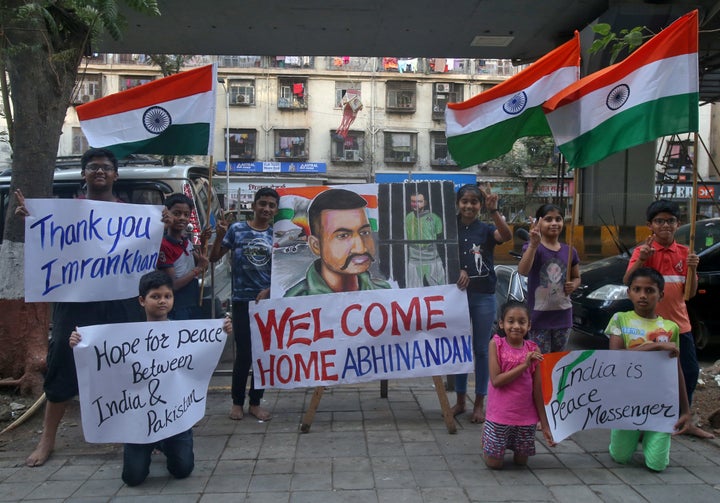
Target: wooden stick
x=444, y=405
x=27, y=415
x=693, y=217
x=203, y=250
x=570, y=234
x=310, y=413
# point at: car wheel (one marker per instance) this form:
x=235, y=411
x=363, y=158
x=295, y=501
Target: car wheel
x=700, y=332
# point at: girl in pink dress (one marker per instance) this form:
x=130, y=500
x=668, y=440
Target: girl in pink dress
x=514, y=399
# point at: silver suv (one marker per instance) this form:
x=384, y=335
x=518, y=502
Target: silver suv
x=151, y=185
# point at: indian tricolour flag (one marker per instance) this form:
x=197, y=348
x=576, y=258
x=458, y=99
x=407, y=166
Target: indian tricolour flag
x=170, y=116
x=295, y=201
x=486, y=126
x=652, y=93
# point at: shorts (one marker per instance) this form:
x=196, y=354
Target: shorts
x=497, y=438
x=61, y=378
x=550, y=340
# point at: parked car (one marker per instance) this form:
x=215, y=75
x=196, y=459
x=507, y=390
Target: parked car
x=602, y=293
x=511, y=285
x=151, y=185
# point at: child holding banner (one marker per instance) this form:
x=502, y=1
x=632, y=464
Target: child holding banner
x=515, y=402
x=157, y=298
x=643, y=330
x=545, y=263
x=179, y=259
x=673, y=260
x=99, y=169
x=477, y=242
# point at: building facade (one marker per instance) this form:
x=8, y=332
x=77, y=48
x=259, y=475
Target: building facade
x=340, y=119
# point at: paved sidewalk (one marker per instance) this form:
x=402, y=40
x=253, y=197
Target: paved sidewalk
x=360, y=448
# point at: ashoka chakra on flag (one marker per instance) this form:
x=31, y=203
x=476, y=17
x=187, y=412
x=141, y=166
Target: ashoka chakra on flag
x=618, y=96
x=156, y=120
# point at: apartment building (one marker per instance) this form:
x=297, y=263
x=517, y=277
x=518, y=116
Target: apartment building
x=338, y=119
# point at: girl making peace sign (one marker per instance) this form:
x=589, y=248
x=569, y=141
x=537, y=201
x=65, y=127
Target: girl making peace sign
x=544, y=262
x=477, y=242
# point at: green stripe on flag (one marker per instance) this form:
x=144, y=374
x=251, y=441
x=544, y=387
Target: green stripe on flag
x=285, y=214
x=181, y=139
x=493, y=141
x=635, y=126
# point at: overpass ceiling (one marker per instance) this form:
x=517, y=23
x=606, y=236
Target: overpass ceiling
x=521, y=30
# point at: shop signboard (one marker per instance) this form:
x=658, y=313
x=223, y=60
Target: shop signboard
x=273, y=167
x=458, y=179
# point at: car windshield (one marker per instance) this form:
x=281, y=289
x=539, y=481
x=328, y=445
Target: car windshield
x=707, y=233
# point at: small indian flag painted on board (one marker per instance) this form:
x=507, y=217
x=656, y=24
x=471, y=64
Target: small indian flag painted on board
x=170, y=116
x=295, y=201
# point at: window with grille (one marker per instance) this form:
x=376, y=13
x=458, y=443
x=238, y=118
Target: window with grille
x=129, y=81
x=349, y=149
x=400, y=96
x=242, y=92
x=346, y=89
x=439, y=154
x=444, y=93
x=88, y=89
x=292, y=93
x=79, y=142
x=400, y=147
x=242, y=145
x=291, y=145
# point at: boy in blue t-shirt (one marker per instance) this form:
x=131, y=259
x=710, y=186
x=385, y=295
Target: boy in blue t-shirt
x=251, y=244
x=643, y=330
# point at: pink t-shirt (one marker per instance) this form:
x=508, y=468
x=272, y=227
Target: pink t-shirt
x=513, y=404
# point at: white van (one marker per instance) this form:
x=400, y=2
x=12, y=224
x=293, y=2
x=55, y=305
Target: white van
x=151, y=185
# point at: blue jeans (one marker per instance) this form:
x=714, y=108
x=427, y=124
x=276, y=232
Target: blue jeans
x=178, y=450
x=482, y=315
x=689, y=363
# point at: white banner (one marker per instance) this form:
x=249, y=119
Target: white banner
x=627, y=390
x=350, y=337
x=79, y=250
x=142, y=382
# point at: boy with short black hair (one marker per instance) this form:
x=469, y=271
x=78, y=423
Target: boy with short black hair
x=156, y=297
x=251, y=245
x=643, y=330
x=99, y=169
x=180, y=260
x=672, y=260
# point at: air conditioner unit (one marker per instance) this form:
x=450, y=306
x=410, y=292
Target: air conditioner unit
x=242, y=99
x=442, y=88
x=352, y=155
x=85, y=98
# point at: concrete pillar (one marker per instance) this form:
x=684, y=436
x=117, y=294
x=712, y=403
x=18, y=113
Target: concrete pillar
x=618, y=189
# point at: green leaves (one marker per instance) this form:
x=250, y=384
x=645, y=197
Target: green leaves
x=624, y=40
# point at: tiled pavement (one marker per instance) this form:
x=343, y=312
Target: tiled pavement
x=360, y=448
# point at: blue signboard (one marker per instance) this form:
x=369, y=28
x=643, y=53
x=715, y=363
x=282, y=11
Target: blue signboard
x=458, y=179
x=273, y=167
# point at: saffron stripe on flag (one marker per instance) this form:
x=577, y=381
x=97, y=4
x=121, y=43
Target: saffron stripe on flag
x=180, y=85
x=645, y=84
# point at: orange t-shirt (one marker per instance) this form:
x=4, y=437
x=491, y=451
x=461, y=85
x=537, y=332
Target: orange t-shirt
x=671, y=262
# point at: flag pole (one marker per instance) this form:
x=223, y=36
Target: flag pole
x=693, y=217
x=571, y=229
x=203, y=249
